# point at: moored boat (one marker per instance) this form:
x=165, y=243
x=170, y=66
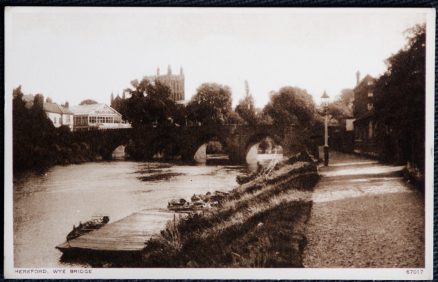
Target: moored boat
x=94, y=223
x=180, y=205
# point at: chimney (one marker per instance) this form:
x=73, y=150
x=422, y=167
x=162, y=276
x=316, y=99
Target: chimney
x=66, y=105
x=158, y=71
x=357, y=78
x=169, y=70
x=181, y=71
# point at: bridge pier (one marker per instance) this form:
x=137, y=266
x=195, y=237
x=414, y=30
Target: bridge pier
x=144, y=141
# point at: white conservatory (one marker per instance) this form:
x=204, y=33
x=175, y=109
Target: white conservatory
x=97, y=116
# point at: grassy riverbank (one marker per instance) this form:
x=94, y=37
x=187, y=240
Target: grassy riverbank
x=260, y=224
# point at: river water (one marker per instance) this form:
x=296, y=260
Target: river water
x=46, y=206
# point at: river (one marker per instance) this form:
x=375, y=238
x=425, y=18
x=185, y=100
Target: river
x=46, y=206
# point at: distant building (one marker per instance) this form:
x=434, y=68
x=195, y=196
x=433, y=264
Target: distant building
x=59, y=115
x=174, y=81
x=97, y=116
x=363, y=111
x=363, y=103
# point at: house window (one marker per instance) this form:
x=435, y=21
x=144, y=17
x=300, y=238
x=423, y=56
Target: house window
x=369, y=106
x=92, y=119
x=80, y=120
x=54, y=120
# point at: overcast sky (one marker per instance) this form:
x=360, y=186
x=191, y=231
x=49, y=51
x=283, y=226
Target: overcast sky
x=71, y=54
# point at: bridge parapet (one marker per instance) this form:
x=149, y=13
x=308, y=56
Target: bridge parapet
x=186, y=139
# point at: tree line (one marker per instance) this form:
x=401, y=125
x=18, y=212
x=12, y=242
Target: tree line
x=149, y=103
x=37, y=144
x=399, y=112
x=399, y=103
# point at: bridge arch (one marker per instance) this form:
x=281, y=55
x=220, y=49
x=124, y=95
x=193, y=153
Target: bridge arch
x=165, y=146
x=106, y=141
x=172, y=142
x=211, y=143
x=120, y=152
x=252, y=149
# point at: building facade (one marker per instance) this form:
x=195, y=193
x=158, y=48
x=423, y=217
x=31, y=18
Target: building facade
x=97, y=116
x=363, y=111
x=174, y=81
x=59, y=115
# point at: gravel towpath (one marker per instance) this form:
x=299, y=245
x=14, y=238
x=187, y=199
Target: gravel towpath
x=364, y=215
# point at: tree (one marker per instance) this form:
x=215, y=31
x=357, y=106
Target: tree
x=400, y=101
x=116, y=103
x=87, y=102
x=234, y=118
x=342, y=107
x=214, y=146
x=33, y=133
x=246, y=108
x=291, y=106
x=150, y=103
x=266, y=145
x=211, y=104
x=263, y=118
x=347, y=98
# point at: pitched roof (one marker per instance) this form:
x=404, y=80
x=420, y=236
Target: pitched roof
x=364, y=81
x=93, y=108
x=65, y=110
x=55, y=108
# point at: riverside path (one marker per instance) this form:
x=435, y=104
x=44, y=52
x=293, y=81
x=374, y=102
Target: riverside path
x=364, y=214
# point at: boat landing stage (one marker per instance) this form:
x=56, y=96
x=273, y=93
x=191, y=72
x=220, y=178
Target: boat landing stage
x=126, y=235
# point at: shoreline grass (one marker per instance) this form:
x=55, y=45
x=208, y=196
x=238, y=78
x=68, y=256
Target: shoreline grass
x=258, y=224
x=261, y=224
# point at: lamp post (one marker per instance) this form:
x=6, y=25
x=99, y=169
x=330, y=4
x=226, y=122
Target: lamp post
x=325, y=99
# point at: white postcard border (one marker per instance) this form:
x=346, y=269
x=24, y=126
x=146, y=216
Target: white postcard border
x=232, y=273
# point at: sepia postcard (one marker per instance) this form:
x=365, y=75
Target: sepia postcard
x=219, y=143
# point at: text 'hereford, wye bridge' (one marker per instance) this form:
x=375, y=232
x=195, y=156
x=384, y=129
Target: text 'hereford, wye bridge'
x=184, y=141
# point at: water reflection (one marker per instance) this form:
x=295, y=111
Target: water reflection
x=46, y=206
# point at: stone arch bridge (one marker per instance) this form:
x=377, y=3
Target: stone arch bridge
x=186, y=140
